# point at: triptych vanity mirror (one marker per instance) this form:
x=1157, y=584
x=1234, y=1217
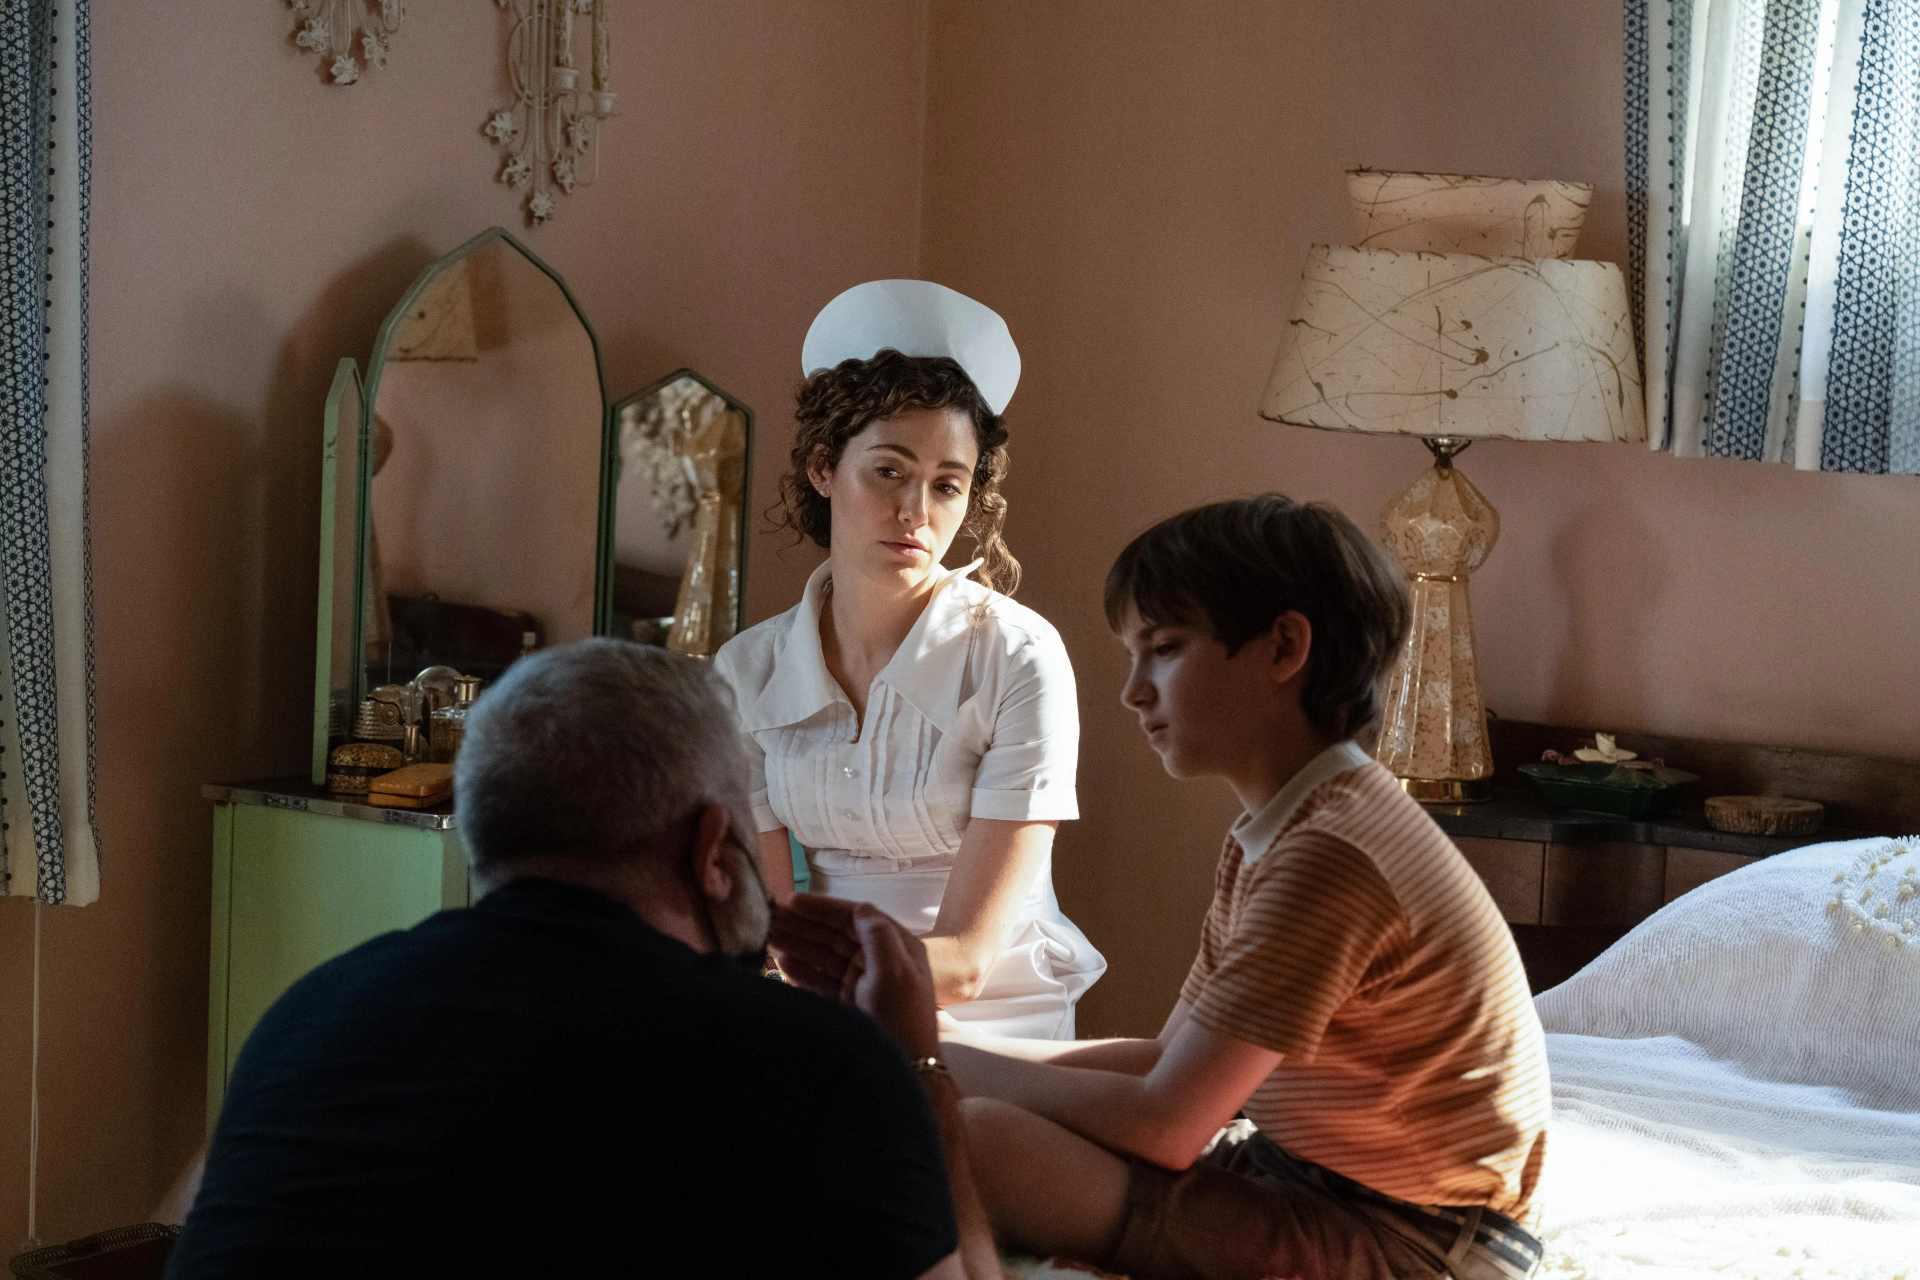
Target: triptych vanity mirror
x=481, y=499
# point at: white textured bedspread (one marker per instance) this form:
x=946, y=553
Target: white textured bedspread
x=1664, y=1163
x=1736, y=1082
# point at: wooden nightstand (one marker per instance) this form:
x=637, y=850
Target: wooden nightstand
x=1571, y=883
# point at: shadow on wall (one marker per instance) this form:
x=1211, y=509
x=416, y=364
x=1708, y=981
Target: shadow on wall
x=1613, y=573
x=342, y=321
x=204, y=596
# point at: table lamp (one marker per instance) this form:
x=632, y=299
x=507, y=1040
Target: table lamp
x=1459, y=315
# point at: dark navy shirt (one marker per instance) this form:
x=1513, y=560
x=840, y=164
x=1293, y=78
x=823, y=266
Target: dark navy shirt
x=541, y=1085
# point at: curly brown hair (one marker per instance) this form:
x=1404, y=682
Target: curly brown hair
x=837, y=404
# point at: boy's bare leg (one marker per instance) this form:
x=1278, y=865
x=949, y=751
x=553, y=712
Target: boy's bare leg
x=1048, y=1191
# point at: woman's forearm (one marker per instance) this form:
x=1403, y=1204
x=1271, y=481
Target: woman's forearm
x=776, y=863
x=959, y=967
x=992, y=876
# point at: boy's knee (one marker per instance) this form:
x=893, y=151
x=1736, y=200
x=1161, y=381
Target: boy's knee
x=989, y=1117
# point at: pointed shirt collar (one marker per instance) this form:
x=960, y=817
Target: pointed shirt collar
x=1255, y=832
x=926, y=670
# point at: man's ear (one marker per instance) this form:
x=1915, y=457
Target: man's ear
x=819, y=474
x=712, y=869
x=1292, y=639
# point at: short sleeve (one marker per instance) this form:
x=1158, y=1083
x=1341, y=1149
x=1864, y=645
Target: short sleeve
x=764, y=818
x=1316, y=917
x=1027, y=772
x=881, y=1202
x=1215, y=929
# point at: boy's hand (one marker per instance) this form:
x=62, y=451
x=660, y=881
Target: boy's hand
x=856, y=952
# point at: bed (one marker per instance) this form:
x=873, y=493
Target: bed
x=1736, y=1083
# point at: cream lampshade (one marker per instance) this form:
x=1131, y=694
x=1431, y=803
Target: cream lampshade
x=1399, y=339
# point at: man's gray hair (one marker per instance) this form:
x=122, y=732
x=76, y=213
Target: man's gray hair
x=592, y=750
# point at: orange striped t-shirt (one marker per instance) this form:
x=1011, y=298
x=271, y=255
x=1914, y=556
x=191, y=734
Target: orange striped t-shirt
x=1361, y=946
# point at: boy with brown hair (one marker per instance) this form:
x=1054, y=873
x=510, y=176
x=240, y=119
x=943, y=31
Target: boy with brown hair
x=1356, y=995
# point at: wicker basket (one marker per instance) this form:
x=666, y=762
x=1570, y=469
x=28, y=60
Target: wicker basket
x=1764, y=815
x=125, y=1253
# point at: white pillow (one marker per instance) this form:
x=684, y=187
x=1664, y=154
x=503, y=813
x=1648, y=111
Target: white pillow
x=1803, y=967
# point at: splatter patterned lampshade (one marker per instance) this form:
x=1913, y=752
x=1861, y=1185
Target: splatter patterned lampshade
x=1430, y=344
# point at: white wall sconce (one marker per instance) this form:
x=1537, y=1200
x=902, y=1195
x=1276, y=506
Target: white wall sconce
x=549, y=132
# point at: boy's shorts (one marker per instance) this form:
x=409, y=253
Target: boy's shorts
x=1247, y=1209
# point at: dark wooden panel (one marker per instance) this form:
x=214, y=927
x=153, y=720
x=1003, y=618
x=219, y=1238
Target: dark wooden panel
x=1880, y=797
x=1512, y=870
x=1518, y=813
x=1552, y=955
x=1688, y=869
x=1603, y=884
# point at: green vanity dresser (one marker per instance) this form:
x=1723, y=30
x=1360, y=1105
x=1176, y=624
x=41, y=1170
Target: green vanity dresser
x=479, y=496
x=298, y=878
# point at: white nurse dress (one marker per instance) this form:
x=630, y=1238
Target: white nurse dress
x=974, y=717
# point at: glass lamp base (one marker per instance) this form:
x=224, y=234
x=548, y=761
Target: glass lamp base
x=1433, y=733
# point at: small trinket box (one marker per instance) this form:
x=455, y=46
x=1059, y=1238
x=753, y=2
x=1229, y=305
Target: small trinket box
x=352, y=765
x=418, y=786
x=384, y=713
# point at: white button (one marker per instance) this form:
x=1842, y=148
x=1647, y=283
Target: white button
x=850, y=771
x=847, y=814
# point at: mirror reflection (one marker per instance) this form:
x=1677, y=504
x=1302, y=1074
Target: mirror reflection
x=680, y=514
x=485, y=451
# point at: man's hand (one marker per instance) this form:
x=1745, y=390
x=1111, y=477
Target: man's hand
x=813, y=941
x=856, y=952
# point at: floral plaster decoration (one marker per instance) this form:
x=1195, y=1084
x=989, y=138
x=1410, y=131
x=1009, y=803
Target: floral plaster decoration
x=654, y=436
x=547, y=136
x=347, y=36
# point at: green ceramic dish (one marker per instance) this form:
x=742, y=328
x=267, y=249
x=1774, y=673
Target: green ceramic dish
x=1609, y=788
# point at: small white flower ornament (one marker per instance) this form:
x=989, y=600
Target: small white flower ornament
x=1603, y=751
x=330, y=30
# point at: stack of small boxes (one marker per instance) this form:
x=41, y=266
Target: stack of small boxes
x=385, y=764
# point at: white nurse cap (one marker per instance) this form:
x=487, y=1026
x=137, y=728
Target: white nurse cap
x=916, y=318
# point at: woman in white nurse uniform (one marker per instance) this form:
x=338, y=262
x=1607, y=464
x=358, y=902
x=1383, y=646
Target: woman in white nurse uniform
x=914, y=729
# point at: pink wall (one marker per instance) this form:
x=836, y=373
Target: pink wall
x=251, y=225
x=1134, y=186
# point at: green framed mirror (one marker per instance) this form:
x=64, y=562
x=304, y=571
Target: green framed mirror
x=337, y=621
x=480, y=476
x=484, y=469
x=683, y=474
x=481, y=499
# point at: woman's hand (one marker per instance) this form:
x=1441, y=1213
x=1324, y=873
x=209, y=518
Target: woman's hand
x=856, y=952
x=776, y=863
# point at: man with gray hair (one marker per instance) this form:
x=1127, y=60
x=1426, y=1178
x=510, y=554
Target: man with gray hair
x=585, y=1073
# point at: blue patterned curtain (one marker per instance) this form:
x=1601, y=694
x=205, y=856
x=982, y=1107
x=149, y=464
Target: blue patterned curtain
x=47, y=846
x=1773, y=206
